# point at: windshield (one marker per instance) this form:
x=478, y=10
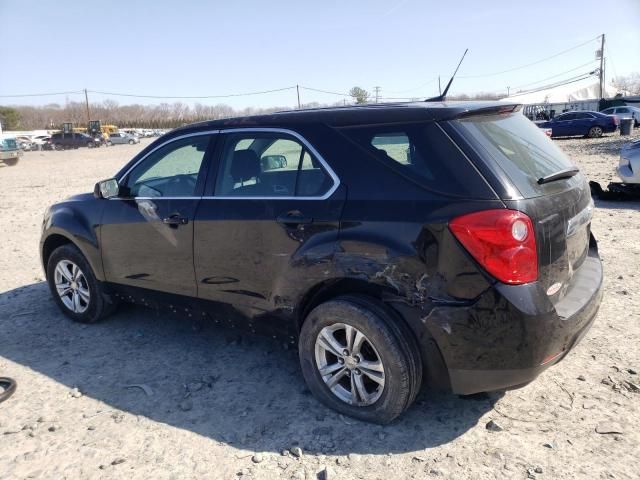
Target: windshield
x=518, y=146
x=8, y=143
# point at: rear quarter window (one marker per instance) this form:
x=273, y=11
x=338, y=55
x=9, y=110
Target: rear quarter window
x=423, y=153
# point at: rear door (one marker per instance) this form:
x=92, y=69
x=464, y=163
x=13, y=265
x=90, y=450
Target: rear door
x=515, y=150
x=273, y=201
x=583, y=122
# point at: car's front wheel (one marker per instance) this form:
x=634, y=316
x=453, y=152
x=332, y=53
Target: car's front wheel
x=595, y=132
x=358, y=358
x=74, y=286
x=131, y=142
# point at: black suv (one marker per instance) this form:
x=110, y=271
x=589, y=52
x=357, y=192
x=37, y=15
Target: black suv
x=61, y=141
x=394, y=243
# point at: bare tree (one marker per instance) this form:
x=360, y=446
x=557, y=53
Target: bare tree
x=629, y=83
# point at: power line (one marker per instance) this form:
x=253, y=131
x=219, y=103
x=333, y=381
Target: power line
x=42, y=94
x=113, y=94
x=326, y=91
x=557, y=84
x=555, y=76
x=532, y=63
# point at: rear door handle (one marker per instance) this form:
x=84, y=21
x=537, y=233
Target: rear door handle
x=175, y=220
x=294, y=218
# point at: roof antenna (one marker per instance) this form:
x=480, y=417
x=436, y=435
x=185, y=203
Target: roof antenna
x=443, y=95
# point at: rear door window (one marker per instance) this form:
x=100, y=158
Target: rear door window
x=269, y=165
x=518, y=147
x=423, y=153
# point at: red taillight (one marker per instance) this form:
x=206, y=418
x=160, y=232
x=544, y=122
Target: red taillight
x=502, y=241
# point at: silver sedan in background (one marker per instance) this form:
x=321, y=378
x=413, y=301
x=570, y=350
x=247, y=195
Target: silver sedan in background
x=120, y=137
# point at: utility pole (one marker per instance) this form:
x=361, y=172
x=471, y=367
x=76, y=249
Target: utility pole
x=298, y=92
x=439, y=87
x=86, y=99
x=602, y=67
x=377, y=90
x=508, y=88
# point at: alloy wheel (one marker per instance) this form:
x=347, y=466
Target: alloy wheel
x=349, y=364
x=72, y=286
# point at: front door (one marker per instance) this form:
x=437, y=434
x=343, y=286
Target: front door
x=147, y=232
x=269, y=222
x=563, y=125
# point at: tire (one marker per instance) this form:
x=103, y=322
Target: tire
x=388, y=345
x=109, y=143
x=93, y=303
x=57, y=146
x=9, y=386
x=131, y=142
x=90, y=145
x=595, y=132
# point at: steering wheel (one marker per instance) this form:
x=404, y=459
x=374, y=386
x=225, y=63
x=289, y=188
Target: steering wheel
x=180, y=184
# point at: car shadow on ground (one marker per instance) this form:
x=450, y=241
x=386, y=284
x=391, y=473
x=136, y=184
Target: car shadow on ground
x=236, y=388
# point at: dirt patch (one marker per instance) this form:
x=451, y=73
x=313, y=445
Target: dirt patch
x=213, y=403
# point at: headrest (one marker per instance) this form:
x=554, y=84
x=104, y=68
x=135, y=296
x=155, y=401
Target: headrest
x=245, y=165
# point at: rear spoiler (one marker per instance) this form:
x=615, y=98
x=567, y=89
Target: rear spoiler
x=493, y=110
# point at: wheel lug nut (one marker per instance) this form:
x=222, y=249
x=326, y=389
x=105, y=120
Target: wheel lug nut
x=357, y=371
x=340, y=360
x=357, y=358
x=345, y=352
x=348, y=373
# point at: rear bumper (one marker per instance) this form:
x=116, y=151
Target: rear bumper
x=511, y=334
x=10, y=157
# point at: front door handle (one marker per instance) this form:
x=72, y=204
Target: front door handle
x=175, y=220
x=293, y=219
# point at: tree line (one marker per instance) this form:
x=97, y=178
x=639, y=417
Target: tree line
x=171, y=115
x=163, y=115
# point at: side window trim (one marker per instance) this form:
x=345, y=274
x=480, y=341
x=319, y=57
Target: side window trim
x=305, y=144
x=206, y=164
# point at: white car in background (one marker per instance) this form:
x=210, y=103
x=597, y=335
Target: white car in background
x=40, y=140
x=121, y=137
x=629, y=168
x=624, y=111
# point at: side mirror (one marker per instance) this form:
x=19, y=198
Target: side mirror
x=106, y=188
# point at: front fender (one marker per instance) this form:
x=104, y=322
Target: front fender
x=77, y=223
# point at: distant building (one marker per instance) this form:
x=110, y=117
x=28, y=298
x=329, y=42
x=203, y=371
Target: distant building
x=547, y=103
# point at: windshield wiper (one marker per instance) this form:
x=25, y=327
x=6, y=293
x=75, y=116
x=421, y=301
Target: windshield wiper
x=566, y=173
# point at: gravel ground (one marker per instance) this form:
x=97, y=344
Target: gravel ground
x=217, y=404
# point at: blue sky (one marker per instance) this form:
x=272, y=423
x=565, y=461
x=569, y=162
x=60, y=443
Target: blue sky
x=216, y=48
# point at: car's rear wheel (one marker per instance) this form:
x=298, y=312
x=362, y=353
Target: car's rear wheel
x=74, y=286
x=57, y=146
x=595, y=132
x=358, y=358
x=131, y=142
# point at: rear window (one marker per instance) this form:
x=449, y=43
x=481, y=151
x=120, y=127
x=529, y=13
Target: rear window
x=518, y=147
x=423, y=153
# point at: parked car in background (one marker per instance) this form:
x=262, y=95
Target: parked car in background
x=61, y=141
x=629, y=168
x=624, y=112
x=40, y=140
x=26, y=144
x=449, y=243
x=120, y=138
x=588, y=124
x=10, y=153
